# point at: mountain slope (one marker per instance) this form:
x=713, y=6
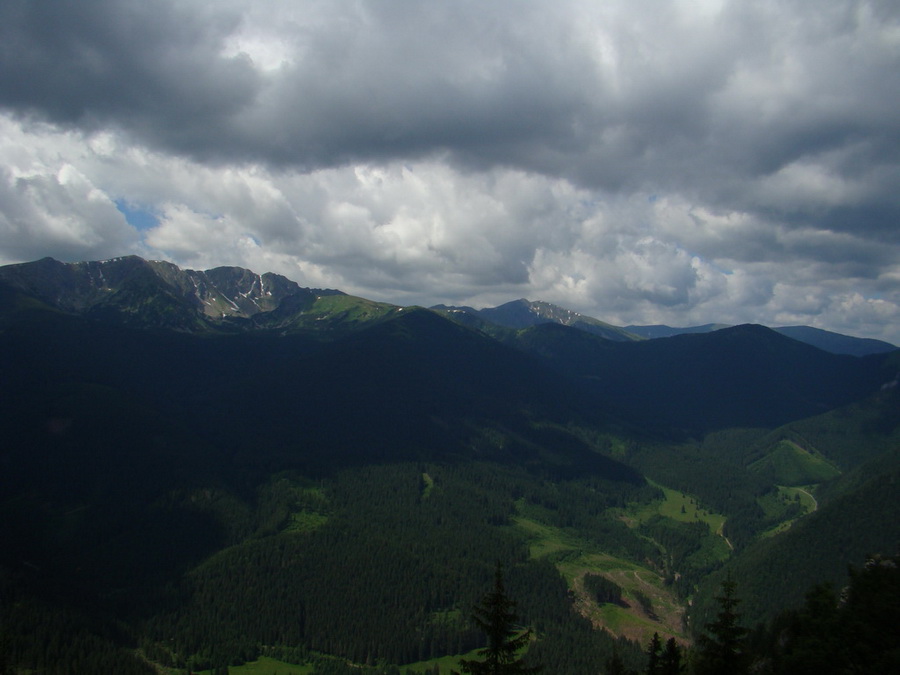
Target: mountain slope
x=662, y=331
x=326, y=314
x=406, y=385
x=153, y=293
x=523, y=313
x=519, y=314
x=149, y=474
x=828, y=341
x=414, y=385
x=861, y=521
x=835, y=342
x=742, y=376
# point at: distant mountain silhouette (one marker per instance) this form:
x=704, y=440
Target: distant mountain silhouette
x=742, y=376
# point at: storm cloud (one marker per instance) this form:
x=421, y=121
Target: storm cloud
x=641, y=161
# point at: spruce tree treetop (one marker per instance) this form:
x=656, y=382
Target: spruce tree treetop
x=495, y=616
x=670, y=662
x=663, y=660
x=722, y=650
x=653, y=656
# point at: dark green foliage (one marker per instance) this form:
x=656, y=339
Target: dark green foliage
x=670, y=663
x=870, y=615
x=680, y=541
x=405, y=562
x=496, y=618
x=663, y=659
x=602, y=589
x=807, y=636
x=614, y=665
x=718, y=481
x=45, y=639
x=848, y=436
x=408, y=564
x=722, y=649
x=567, y=643
x=383, y=551
x=645, y=602
x=775, y=573
x=581, y=506
x=857, y=632
x=654, y=655
x=789, y=464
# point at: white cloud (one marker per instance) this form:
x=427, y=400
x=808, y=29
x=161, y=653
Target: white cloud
x=640, y=161
x=48, y=205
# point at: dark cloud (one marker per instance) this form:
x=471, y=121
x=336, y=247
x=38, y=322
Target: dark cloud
x=638, y=97
x=152, y=68
x=665, y=161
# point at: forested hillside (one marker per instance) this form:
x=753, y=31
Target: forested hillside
x=329, y=483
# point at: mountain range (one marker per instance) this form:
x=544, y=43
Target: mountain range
x=202, y=469
x=519, y=314
x=157, y=293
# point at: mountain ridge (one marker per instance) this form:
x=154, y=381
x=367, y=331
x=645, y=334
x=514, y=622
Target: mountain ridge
x=829, y=341
x=153, y=292
x=522, y=313
x=747, y=375
x=693, y=383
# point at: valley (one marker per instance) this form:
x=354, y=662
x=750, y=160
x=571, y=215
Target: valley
x=314, y=483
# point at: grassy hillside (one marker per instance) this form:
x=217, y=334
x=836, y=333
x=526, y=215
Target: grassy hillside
x=327, y=315
x=789, y=464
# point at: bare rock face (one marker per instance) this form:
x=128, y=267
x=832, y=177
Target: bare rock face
x=155, y=293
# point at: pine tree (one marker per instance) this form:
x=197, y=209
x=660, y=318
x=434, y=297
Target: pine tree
x=722, y=650
x=670, y=661
x=809, y=640
x=494, y=615
x=654, y=656
x=663, y=661
x=859, y=633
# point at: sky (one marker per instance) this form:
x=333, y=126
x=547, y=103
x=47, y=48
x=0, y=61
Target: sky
x=639, y=161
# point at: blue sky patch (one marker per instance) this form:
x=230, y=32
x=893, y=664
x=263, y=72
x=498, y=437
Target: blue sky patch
x=139, y=217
